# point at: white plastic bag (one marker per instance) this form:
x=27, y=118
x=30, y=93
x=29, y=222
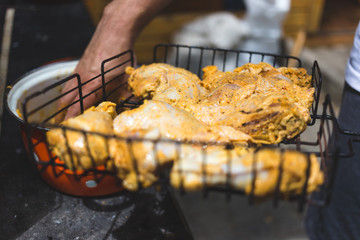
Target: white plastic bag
x=265, y=17
x=220, y=30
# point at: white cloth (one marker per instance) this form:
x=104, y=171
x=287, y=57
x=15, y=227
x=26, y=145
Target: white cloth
x=352, y=72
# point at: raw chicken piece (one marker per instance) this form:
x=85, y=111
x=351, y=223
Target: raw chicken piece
x=254, y=103
x=84, y=147
x=174, y=123
x=254, y=68
x=165, y=82
x=145, y=145
x=197, y=165
x=106, y=106
x=214, y=78
x=268, y=119
x=241, y=99
x=264, y=79
x=137, y=162
x=297, y=76
x=256, y=99
x=235, y=167
x=275, y=83
x=295, y=83
x=156, y=120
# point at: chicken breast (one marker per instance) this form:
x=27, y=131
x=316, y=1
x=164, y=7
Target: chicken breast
x=136, y=162
x=268, y=119
x=264, y=79
x=174, y=123
x=269, y=104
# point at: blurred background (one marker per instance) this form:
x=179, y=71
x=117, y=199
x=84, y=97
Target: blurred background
x=41, y=31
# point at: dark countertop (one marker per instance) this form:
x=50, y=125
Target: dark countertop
x=29, y=208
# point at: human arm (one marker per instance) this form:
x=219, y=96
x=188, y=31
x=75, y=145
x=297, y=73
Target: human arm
x=121, y=23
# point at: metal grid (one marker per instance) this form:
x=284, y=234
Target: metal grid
x=193, y=59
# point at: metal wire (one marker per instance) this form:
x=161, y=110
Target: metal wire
x=193, y=59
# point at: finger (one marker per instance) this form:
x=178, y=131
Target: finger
x=67, y=99
x=88, y=99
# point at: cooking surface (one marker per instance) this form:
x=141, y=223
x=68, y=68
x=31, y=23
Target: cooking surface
x=29, y=208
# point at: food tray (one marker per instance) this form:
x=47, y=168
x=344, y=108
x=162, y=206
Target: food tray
x=193, y=59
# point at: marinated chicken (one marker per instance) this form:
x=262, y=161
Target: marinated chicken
x=174, y=123
x=236, y=167
x=298, y=76
x=269, y=104
x=82, y=146
x=262, y=79
x=145, y=145
x=165, y=82
x=268, y=119
x=195, y=166
x=185, y=124
x=214, y=78
x=137, y=162
x=155, y=122
x=250, y=72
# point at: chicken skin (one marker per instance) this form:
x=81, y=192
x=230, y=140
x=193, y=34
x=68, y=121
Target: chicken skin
x=256, y=99
x=263, y=79
x=138, y=161
x=164, y=82
x=268, y=119
x=269, y=104
x=174, y=123
x=157, y=120
x=194, y=166
x=235, y=167
x=82, y=146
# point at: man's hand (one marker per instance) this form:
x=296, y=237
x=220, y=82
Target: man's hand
x=89, y=67
x=116, y=32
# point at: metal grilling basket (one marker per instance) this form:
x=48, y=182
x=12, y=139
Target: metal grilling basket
x=102, y=180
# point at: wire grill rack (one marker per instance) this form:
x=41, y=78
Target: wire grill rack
x=193, y=59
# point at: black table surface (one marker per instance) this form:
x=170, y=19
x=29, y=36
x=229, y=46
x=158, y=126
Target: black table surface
x=29, y=208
